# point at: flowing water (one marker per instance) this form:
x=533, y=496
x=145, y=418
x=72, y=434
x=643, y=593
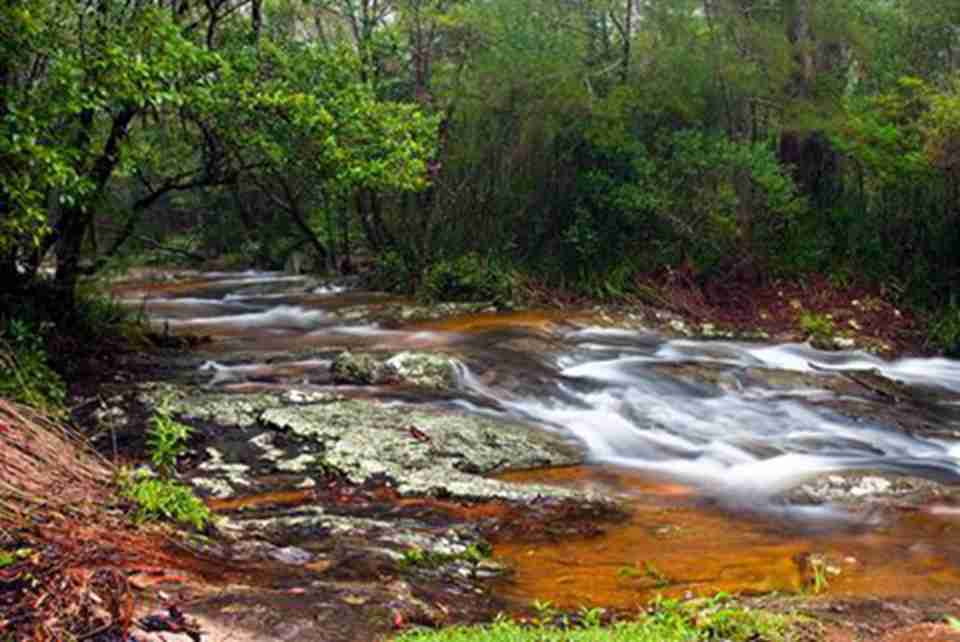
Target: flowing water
x=703, y=440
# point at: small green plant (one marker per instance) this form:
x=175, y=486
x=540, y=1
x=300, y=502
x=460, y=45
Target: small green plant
x=591, y=617
x=818, y=569
x=545, y=612
x=159, y=499
x=167, y=439
x=818, y=327
x=419, y=557
x=9, y=558
x=415, y=556
x=659, y=578
x=953, y=623
x=647, y=569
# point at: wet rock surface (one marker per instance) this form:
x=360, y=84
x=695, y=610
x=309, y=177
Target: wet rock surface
x=877, y=488
x=341, y=519
x=421, y=369
x=420, y=451
x=342, y=516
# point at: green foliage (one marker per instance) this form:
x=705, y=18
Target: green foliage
x=818, y=327
x=392, y=272
x=11, y=557
x=467, y=278
x=670, y=621
x=953, y=623
x=167, y=439
x=943, y=332
x=159, y=499
x=584, y=142
x=25, y=372
x=418, y=557
x=648, y=570
x=98, y=72
x=97, y=318
x=818, y=581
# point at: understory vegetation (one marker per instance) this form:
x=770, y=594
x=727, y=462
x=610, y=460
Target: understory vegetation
x=669, y=621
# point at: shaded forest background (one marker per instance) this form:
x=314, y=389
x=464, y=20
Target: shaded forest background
x=452, y=144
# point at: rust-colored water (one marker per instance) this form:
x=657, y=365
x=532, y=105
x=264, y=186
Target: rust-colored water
x=296, y=497
x=676, y=544
x=484, y=321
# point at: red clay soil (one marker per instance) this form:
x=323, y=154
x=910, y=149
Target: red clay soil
x=774, y=306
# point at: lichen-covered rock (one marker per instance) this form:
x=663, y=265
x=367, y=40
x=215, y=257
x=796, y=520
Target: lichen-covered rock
x=419, y=451
x=358, y=369
x=424, y=369
x=433, y=371
x=422, y=452
x=223, y=409
x=871, y=488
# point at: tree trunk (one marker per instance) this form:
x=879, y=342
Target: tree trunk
x=256, y=19
x=75, y=221
x=809, y=154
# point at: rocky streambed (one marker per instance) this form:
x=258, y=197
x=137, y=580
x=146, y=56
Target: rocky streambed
x=365, y=457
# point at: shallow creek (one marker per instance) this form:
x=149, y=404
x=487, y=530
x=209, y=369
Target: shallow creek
x=706, y=442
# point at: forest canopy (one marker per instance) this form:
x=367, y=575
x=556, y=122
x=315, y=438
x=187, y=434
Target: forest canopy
x=581, y=141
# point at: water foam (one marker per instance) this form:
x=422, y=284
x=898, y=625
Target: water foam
x=281, y=317
x=734, y=440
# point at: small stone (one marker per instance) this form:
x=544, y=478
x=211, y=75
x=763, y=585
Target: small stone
x=844, y=343
x=354, y=600
x=679, y=326
x=291, y=555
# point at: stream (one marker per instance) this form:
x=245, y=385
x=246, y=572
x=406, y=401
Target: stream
x=725, y=453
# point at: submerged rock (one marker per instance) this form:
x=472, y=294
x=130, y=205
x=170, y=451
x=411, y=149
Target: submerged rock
x=423, y=369
x=872, y=487
x=358, y=369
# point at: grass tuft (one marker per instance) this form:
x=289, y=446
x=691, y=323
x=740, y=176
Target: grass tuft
x=719, y=618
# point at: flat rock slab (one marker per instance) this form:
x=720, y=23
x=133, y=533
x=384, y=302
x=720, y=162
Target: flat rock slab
x=417, y=450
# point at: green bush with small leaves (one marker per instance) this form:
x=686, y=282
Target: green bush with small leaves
x=818, y=327
x=163, y=499
x=393, y=273
x=167, y=439
x=467, y=278
x=943, y=331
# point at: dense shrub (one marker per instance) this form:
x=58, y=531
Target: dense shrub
x=470, y=277
x=392, y=272
x=25, y=373
x=707, y=200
